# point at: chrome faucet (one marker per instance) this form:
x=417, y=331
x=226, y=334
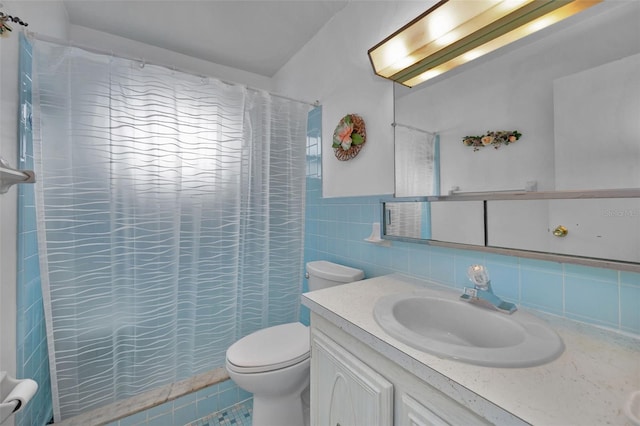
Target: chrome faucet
x=481, y=294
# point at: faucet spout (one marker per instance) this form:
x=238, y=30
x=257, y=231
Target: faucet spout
x=481, y=294
x=487, y=299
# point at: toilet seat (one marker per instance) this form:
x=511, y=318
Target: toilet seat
x=270, y=349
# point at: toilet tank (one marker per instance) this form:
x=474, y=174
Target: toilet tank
x=323, y=274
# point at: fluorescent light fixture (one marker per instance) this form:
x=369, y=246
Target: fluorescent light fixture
x=454, y=32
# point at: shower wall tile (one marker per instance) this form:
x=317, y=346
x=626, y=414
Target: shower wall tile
x=188, y=408
x=31, y=352
x=207, y=405
x=135, y=419
x=185, y=414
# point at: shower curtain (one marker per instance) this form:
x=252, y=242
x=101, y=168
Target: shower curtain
x=170, y=220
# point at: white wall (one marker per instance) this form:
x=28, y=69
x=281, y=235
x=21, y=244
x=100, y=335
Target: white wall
x=45, y=17
x=587, y=125
x=334, y=68
x=86, y=37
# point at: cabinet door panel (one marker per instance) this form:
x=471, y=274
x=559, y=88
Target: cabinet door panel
x=416, y=414
x=344, y=390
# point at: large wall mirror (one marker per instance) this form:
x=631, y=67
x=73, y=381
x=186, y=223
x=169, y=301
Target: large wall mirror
x=573, y=92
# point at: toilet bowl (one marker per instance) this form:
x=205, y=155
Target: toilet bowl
x=273, y=363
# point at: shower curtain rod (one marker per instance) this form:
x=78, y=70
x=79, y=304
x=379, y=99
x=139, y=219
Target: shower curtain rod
x=413, y=128
x=71, y=43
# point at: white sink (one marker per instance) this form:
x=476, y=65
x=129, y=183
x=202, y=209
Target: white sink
x=632, y=408
x=443, y=325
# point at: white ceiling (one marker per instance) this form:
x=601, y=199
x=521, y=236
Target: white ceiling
x=258, y=36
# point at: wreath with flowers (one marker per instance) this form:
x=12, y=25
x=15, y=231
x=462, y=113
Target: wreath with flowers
x=5, y=28
x=493, y=138
x=349, y=137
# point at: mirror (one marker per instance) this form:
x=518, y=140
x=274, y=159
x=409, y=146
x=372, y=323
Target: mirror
x=416, y=156
x=592, y=231
x=574, y=94
x=459, y=222
x=408, y=221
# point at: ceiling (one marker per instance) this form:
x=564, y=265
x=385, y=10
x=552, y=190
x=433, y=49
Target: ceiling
x=258, y=36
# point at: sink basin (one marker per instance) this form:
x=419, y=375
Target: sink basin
x=632, y=408
x=451, y=328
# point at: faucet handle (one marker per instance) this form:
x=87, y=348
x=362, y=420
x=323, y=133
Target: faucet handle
x=479, y=276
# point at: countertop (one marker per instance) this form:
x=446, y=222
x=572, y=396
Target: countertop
x=587, y=385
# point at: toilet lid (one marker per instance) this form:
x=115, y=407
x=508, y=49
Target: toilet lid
x=270, y=349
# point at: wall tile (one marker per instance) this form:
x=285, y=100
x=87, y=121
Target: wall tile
x=591, y=300
x=542, y=290
x=185, y=400
x=630, y=308
x=443, y=267
x=420, y=261
x=185, y=414
x=630, y=278
x=462, y=262
x=226, y=385
x=505, y=280
x=136, y=419
x=228, y=397
x=162, y=420
x=160, y=410
x=31, y=351
x=207, y=406
x=541, y=265
x=587, y=272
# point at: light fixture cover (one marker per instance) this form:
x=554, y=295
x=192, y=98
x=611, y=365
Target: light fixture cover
x=454, y=32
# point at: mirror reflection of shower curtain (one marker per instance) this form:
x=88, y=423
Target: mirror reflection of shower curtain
x=170, y=220
x=417, y=163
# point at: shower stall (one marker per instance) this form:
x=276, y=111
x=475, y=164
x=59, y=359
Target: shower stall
x=170, y=214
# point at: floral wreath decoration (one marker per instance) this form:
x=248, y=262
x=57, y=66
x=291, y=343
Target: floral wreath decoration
x=5, y=28
x=495, y=138
x=349, y=137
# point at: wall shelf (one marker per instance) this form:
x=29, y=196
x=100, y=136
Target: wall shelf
x=526, y=195
x=10, y=176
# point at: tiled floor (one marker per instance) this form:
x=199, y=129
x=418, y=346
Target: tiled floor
x=237, y=415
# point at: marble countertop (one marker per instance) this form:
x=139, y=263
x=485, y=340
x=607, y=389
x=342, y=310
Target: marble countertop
x=587, y=385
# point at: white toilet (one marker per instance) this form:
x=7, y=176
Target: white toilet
x=273, y=363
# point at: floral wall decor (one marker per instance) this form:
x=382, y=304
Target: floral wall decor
x=492, y=138
x=349, y=137
x=5, y=27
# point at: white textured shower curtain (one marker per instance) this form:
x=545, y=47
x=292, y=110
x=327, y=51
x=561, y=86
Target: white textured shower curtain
x=170, y=220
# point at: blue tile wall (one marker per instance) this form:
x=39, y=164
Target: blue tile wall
x=335, y=230
x=188, y=408
x=31, y=336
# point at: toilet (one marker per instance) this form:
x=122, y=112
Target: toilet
x=273, y=363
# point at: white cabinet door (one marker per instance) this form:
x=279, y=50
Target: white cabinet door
x=435, y=410
x=416, y=414
x=344, y=390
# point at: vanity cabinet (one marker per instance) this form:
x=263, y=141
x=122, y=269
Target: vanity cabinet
x=344, y=390
x=359, y=386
